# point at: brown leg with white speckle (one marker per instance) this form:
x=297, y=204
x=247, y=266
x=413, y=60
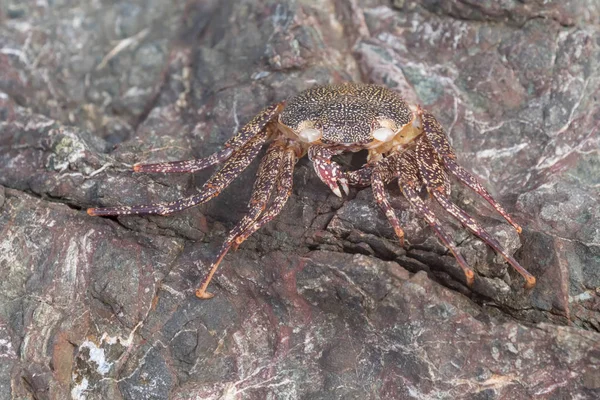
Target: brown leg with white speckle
x=328, y=171
x=251, y=129
x=215, y=184
x=435, y=179
x=360, y=177
x=438, y=140
x=430, y=169
x=283, y=191
x=478, y=230
x=381, y=174
x=285, y=181
x=409, y=183
x=263, y=186
x=188, y=165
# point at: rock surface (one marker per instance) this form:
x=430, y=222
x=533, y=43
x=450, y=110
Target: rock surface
x=322, y=303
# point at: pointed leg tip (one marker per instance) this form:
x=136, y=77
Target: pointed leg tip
x=519, y=229
x=530, y=282
x=470, y=276
x=400, y=235
x=92, y=212
x=137, y=167
x=203, y=294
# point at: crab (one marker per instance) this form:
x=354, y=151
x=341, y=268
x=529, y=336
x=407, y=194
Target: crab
x=404, y=143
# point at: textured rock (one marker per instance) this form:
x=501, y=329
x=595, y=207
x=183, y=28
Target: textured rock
x=322, y=303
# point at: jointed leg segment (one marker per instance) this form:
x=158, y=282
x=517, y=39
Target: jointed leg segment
x=263, y=186
x=186, y=166
x=469, y=223
x=382, y=174
x=285, y=181
x=258, y=216
x=360, y=177
x=431, y=151
x=232, y=168
x=425, y=166
x=275, y=169
x=438, y=140
x=409, y=183
x=250, y=130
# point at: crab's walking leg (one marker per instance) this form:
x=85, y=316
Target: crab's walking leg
x=328, y=171
x=251, y=129
x=188, y=165
x=284, y=190
x=433, y=174
x=438, y=140
x=266, y=180
x=360, y=177
x=409, y=182
x=381, y=174
x=263, y=186
x=478, y=230
x=215, y=184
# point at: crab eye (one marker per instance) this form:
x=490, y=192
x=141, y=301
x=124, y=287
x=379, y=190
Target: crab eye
x=383, y=134
x=310, y=135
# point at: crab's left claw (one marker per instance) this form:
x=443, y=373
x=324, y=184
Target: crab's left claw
x=331, y=174
x=328, y=171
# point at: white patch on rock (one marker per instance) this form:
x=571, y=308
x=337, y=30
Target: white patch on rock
x=97, y=356
x=7, y=349
x=505, y=152
x=69, y=268
x=78, y=391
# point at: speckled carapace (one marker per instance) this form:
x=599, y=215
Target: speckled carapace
x=404, y=143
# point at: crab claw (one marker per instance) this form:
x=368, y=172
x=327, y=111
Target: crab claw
x=331, y=174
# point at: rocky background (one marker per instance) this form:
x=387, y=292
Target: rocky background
x=322, y=303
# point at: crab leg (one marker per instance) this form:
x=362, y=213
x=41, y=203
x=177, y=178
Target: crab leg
x=215, y=184
x=188, y=165
x=251, y=129
x=437, y=184
x=247, y=227
x=328, y=171
x=478, y=230
x=438, y=140
x=284, y=191
x=430, y=169
x=409, y=184
x=263, y=186
x=360, y=177
x=382, y=174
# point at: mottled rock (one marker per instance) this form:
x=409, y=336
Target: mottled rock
x=322, y=303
